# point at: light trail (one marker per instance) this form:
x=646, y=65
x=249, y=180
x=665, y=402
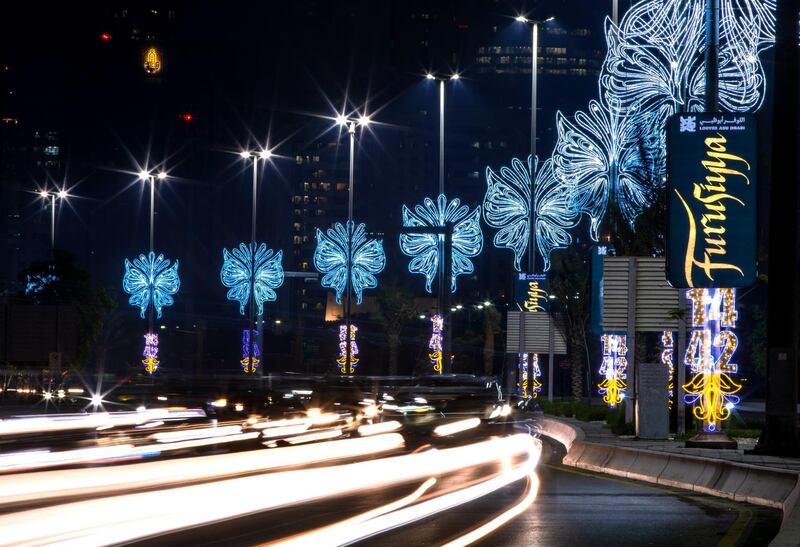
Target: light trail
x=66, y=422
x=25, y=461
x=503, y=518
x=334, y=533
x=357, y=529
x=380, y=427
x=137, y=516
x=45, y=485
x=456, y=427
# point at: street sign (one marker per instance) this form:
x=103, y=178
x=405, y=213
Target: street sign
x=711, y=200
x=533, y=333
x=599, y=252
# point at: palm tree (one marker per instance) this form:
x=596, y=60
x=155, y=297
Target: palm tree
x=491, y=326
x=396, y=307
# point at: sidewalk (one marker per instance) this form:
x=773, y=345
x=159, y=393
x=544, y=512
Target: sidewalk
x=598, y=432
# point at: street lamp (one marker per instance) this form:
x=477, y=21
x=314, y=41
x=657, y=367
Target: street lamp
x=150, y=177
x=263, y=155
x=534, y=78
x=453, y=77
x=60, y=194
x=362, y=121
x=442, y=274
x=532, y=195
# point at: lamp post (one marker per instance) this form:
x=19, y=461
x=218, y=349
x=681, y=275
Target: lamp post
x=442, y=273
x=532, y=243
x=534, y=82
x=350, y=124
x=61, y=194
x=150, y=177
x=265, y=156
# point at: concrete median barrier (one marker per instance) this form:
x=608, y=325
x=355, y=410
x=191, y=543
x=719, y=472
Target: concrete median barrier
x=682, y=471
x=595, y=457
x=648, y=466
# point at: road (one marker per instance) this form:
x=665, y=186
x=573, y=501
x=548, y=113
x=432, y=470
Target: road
x=573, y=508
x=577, y=508
x=326, y=478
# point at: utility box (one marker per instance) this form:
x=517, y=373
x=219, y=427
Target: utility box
x=652, y=403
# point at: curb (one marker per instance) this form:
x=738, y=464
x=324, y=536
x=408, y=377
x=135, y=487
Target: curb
x=765, y=486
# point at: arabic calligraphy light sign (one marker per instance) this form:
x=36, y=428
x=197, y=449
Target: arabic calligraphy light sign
x=711, y=189
x=152, y=61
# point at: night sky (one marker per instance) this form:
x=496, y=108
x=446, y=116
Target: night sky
x=272, y=74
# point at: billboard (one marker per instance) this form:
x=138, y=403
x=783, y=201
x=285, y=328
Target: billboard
x=530, y=292
x=711, y=200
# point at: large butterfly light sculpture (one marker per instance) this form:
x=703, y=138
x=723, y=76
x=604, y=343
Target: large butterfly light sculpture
x=508, y=203
x=240, y=269
x=425, y=249
x=150, y=280
x=332, y=257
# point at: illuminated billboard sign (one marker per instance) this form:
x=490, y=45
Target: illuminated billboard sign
x=711, y=200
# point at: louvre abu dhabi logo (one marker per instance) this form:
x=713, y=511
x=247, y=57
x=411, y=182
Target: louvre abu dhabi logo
x=688, y=124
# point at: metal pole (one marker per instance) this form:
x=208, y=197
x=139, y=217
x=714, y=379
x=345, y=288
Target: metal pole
x=443, y=282
x=441, y=136
x=532, y=198
x=534, y=76
x=250, y=334
x=152, y=229
x=152, y=207
x=678, y=352
x=712, y=55
x=351, y=129
x=615, y=11
x=52, y=225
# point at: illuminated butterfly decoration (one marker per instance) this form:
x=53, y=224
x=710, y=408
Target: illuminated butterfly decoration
x=608, y=156
x=331, y=258
x=150, y=280
x=238, y=266
x=656, y=56
x=424, y=249
x=507, y=207
x=613, y=154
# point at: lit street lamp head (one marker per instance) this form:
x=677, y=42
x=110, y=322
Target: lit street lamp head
x=162, y=175
x=43, y=193
x=265, y=154
x=62, y=194
x=244, y=154
x=430, y=76
x=364, y=121
x=521, y=18
x=455, y=76
x=341, y=119
x=551, y=18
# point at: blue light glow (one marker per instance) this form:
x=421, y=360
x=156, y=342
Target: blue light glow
x=331, y=258
x=150, y=280
x=237, y=267
x=36, y=284
x=507, y=207
x=425, y=249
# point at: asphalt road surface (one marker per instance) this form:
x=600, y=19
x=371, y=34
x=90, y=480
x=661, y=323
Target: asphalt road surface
x=573, y=508
x=576, y=508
